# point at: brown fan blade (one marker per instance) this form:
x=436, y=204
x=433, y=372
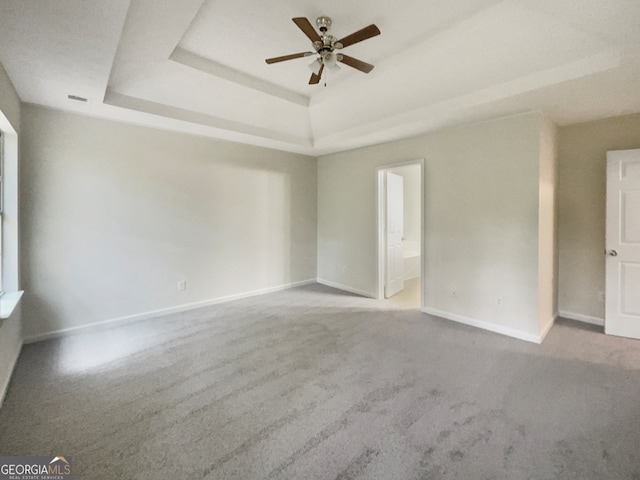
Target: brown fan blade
x=306, y=27
x=315, y=79
x=360, y=35
x=287, y=57
x=355, y=63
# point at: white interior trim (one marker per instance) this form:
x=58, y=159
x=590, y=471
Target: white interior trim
x=114, y=322
x=10, y=226
x=492, y=327
x=582, y=318
x=8, y=303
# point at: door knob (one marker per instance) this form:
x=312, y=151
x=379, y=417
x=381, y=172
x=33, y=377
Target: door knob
x=613, y=253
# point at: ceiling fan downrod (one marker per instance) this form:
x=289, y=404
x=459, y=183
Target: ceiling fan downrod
x=327, y=42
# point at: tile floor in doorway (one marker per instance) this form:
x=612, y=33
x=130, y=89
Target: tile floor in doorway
x=410, y=296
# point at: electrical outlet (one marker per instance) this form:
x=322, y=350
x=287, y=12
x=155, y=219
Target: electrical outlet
x=344, y=269
x=601, y=296
x=498, y=301
x=182, y=285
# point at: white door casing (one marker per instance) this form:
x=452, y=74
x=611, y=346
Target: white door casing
x=394, y=220
x=622, y=309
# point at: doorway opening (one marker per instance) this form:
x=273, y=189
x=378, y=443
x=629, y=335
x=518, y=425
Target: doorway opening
x=400, y=222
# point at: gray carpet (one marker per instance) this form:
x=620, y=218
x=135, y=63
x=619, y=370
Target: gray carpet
x=312, y=383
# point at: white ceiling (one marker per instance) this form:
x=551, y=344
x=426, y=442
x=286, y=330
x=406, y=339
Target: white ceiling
x=198, y=65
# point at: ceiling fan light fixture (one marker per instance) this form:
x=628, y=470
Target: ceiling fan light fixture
x=330, y=62
x=315, y=66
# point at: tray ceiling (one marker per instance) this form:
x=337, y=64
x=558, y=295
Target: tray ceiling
x=198, y=66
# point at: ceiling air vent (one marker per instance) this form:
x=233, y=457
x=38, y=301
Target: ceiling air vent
x=78, y=99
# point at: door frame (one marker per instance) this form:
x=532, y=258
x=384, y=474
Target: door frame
x=380, y=223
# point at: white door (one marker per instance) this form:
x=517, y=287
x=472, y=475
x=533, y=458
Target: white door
x=623, y=244
x=394, y=231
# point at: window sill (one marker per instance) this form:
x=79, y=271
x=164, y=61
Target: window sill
x=8, y=303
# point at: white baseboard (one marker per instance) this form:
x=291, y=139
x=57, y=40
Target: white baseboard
x=346, y=288
x=492, y=327
x=114, y=322
x=582, y=318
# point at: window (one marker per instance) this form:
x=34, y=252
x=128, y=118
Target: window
x=1, y=202
x=8, y=208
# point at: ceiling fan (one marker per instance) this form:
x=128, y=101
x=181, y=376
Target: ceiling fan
x=324, y=46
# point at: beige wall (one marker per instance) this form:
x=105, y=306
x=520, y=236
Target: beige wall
x=582, y=197
x=115, y=215
x=481, y=220
x=547, y=227
x=83, y=177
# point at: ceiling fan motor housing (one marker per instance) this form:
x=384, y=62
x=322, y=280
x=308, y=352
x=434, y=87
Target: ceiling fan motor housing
x=328, y=42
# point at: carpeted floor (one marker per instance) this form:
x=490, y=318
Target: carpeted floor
x=312, y=383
